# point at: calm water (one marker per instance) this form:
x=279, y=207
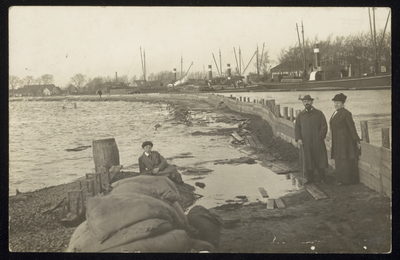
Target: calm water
x=41, y=131
x=373, y=106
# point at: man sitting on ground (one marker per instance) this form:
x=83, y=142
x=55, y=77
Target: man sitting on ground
x=152, y=163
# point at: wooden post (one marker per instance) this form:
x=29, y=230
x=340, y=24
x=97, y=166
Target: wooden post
x=364, y=131
x=385, y=138
x=240, y=99
x=285, y=112
x=277, y=110
x=248, y=99
x=263, y=101
x=105, y=152
x=291, y=114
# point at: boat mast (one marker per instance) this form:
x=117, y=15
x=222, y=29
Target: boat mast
x=144, y=64
x=262, y=54
x=383, y=36
x=298, y=36
x=141, y=59
x=240, y=62
x=216, y=64
x=250, y=61
x=181, y=66
x=237, y=65
x=220, y=64
x=304, y=53
x=376, y=54
x=372, y=36
x=188, y=69
x=258, y=72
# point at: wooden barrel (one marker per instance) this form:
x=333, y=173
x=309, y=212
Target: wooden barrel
x=105, y=152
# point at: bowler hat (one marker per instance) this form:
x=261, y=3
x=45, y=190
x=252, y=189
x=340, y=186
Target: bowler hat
x=339, y=97
x=147, y=143
x=306, y=97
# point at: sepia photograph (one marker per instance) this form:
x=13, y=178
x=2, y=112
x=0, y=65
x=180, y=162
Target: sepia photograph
x=159, y=129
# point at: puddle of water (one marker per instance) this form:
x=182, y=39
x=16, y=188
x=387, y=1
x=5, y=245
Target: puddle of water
x=228, y=181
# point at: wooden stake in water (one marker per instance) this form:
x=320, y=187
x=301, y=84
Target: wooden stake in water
x=364, y=131
x=385, y=138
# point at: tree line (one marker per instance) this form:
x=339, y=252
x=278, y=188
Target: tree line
x=353, y=49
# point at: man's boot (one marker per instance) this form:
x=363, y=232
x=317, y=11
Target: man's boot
x=309, y=176
x=322, y=175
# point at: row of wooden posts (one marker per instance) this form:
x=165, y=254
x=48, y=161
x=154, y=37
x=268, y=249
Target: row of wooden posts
x=288, y=114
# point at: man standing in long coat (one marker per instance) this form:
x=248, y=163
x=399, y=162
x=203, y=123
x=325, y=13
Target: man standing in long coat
x=310, y=132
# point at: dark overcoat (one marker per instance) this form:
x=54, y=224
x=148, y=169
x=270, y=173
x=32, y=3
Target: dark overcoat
x=147, y=164
x=311, y=127
x=344, y=135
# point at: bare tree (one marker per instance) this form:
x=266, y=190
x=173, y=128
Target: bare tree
x=78, y=80
x=29, y=80
x=47, y=79
x=39, y=80
x=13, y=82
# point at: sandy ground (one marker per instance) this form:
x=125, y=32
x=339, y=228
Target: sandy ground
x=353, y=219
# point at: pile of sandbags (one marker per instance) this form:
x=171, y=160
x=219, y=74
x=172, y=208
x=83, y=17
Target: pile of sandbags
x=141, y=214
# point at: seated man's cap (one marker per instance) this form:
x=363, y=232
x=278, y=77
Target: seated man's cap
x=147, y=143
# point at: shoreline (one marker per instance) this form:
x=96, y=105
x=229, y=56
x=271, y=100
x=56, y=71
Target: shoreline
x=341, y=223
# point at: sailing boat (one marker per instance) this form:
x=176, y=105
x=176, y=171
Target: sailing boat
x=330, y=75
x=155, y=86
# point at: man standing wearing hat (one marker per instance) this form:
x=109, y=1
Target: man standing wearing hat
x=310, y=132
x=153, y=163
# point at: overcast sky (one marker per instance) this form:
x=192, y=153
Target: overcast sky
x=99, y=41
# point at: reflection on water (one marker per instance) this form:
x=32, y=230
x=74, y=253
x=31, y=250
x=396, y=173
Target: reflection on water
x=373, y=106
x=228, y=181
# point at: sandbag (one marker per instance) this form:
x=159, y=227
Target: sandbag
x=200, y=245
x=173, y=241
x=183, y=221
x=108, y=214
x=208, y=224
x=83, y=240
x=157, y=187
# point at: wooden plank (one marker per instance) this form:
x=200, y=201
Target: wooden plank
x=252, y=143
x=386, y=172
x=247, y=141
x=236, y=136
x=371, y=149
x=369, y=168
x=112, y=172
x=371, y=159
x=386, y=154
x=280, y=204
x=263, y=192
x=270, y=204
x=258, y=143
x=316, y=192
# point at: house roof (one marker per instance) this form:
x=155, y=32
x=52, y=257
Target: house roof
x=36, y=88
x=71, y=87
x=23, y=91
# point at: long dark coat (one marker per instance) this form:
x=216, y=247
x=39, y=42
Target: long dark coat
x=344, y=136
x=311, y=127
